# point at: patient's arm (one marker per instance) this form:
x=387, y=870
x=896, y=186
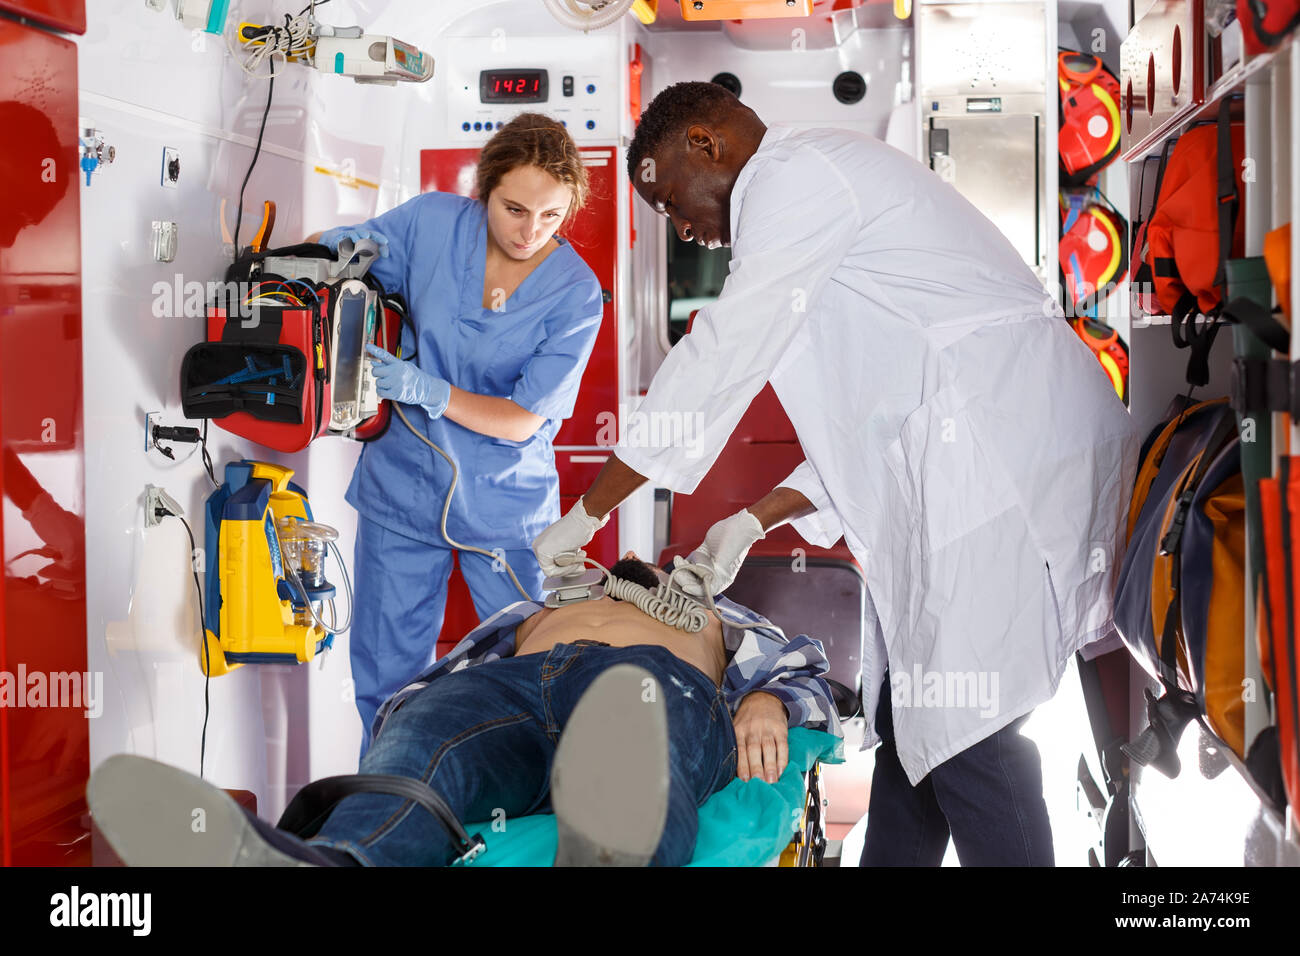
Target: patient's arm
x=762, y=750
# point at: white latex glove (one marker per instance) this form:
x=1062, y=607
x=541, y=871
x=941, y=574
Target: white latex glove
x=559, y=547
x=721, y=554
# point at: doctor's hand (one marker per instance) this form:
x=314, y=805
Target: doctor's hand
x=721, y=554
x=332, y=237
x=762, y=728
x=559, y=547
x=402, y=381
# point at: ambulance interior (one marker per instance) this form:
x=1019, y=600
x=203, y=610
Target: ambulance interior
x=182, y=153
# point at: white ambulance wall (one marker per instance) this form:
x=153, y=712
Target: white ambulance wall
x=147, y=83
x=789, y=85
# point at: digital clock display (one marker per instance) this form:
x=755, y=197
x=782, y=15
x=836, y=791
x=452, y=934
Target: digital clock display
x=512, y=86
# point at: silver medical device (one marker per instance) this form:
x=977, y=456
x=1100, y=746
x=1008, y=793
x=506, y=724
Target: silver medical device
x=354, y=312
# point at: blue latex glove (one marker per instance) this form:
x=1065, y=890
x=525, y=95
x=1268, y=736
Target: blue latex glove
x=331, y=237
x=404, y=382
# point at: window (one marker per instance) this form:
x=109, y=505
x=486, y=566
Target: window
x=695, y=277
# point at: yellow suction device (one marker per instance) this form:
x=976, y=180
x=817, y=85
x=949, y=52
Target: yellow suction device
x=265, y=583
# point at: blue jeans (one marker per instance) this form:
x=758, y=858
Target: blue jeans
x=989, y=798
x=401, y=594
x=484, y=739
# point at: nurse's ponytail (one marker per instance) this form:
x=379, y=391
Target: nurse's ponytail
x=532, y=139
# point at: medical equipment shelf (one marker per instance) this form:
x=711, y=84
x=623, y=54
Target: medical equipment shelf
x=1232, y=82
x=1211, y=813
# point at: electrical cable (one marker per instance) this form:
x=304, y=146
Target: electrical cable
x=207, y=459
x=166, y=453
x=257, y=151
x=278, y=296
x=305, y=285
x=297, y=38
x=207, y=661
x=446, y=507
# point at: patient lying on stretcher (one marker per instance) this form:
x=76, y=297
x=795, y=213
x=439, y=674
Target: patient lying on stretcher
x=619, y=724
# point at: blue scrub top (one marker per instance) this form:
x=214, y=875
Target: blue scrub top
x=533, y=352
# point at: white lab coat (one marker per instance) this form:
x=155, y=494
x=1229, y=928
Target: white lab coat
x=957, y=433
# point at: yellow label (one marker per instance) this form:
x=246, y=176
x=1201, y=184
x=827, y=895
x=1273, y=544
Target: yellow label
x=352, y=182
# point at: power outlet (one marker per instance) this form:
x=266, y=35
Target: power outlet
x=155, y=501
x=171, y=167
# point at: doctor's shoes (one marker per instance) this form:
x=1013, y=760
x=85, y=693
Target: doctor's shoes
x=609, y=783
x=153, y=814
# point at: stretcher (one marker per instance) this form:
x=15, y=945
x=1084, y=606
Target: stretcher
x=746, y=823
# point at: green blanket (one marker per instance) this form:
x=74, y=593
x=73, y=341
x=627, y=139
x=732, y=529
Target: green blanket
x=746, y=823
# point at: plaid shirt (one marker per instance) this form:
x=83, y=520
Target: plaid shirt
x=759, y=657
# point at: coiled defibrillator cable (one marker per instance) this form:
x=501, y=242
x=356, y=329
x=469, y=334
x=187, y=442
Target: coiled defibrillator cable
x=665, y=604
x=446, y=507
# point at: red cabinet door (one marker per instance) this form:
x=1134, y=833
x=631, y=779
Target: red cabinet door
x=44, y=690
x=67, y=15
x=594, y=235
x=578, y=469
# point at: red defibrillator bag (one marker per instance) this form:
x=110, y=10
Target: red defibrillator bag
x=288, y=332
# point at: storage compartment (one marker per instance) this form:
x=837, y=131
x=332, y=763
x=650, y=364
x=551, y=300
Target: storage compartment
x=267, y=382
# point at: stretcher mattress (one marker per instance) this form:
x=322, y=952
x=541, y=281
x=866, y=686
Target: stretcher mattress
x=746, y=823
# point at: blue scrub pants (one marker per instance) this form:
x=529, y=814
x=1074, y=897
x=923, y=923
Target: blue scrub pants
x=988, y=798
x=401, y=594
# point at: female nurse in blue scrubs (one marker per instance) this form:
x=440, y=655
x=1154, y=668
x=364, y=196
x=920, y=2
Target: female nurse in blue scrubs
x=505, y=314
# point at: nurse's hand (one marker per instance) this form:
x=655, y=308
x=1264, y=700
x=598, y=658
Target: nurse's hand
x=721, y=554
x=402, y=381
x=762, y=737
x=332, y=237
x=559, y=547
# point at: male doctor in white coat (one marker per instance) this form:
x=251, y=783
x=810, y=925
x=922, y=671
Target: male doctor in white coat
x=957, y=433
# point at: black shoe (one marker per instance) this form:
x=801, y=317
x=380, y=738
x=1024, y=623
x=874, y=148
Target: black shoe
x=154, y=814
x=609, y=783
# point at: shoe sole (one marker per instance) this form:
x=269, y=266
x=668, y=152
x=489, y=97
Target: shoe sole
x=150, y=814
x=609, y=783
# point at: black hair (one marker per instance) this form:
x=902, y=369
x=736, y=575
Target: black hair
x=671, y=112
x=636, y=571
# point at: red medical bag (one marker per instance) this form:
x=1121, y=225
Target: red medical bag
x=1198, y=193
x=264, y=371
